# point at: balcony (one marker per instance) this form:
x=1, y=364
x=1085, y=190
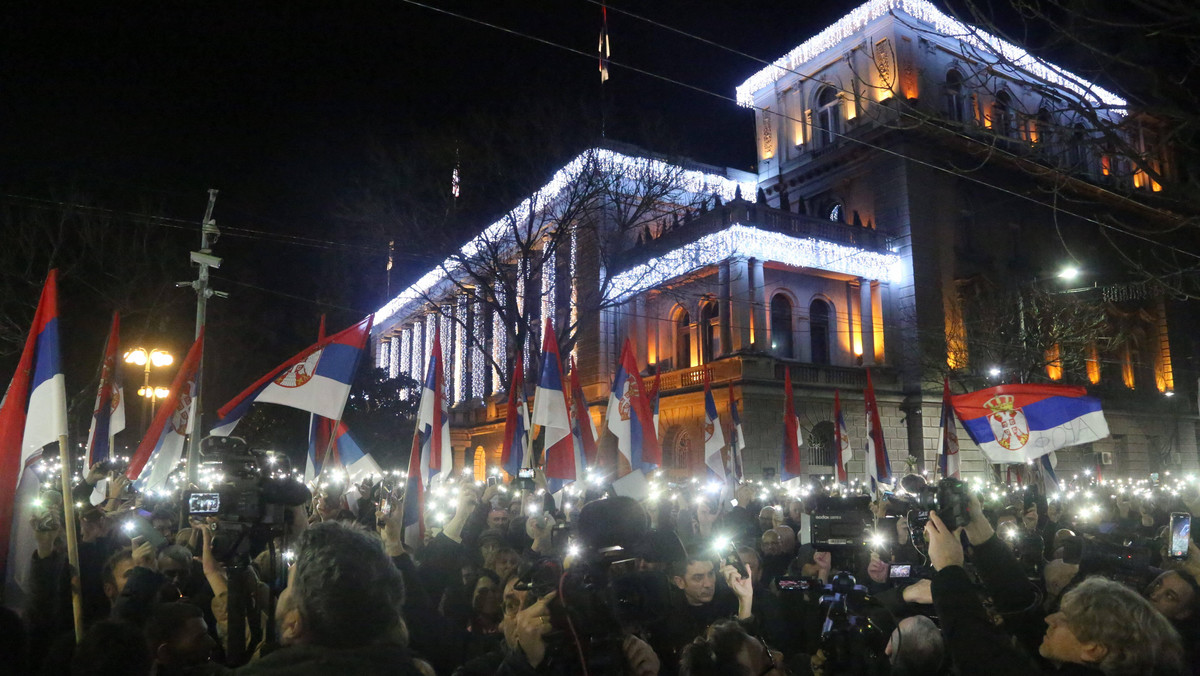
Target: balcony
x=763, y=368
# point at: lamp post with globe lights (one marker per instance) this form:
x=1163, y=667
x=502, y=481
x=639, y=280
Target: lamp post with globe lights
x=148, y=359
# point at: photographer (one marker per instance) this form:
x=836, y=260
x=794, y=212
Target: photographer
x=1103, y=627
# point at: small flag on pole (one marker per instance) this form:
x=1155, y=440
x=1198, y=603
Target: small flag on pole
x=790, y=463
x=433, y=416
x=879, y=467
x=162, y=447
x=841, y=440
x=629, y=417
x=562, y=460
x=108, y=414
x=948, y=437
x=583, y=429
x=604, y=49
x=737, y=440
x=714, y=438
x=515, y=453
x=414, y=496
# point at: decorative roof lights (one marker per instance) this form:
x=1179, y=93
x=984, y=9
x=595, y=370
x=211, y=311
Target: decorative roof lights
x=742, y=240
x=948, y=26
x=608, y=162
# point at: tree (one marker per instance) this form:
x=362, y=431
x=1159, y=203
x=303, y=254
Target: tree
x=516, y=271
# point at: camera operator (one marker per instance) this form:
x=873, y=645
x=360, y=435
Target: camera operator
x=1103, y=627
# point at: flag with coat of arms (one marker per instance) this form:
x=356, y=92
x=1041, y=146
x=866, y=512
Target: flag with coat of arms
x=841, y=441
x=515, y=453
x=108, y=414
x=629, y=417
x=879, y=466
x=162, y=447
x=714, y=438
x=582, y=427
x=790, y=461
x=948, y=436
x=562, y=458
x=737, y=438
x=1019, y=422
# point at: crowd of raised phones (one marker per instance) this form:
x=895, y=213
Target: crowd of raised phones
x=752, y=580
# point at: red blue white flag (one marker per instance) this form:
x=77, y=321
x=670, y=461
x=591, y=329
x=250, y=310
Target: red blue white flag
x=515, y=451
x=317, y=380
x=1019, y=422
x=841, y=441
x=948, y=463
x=344, y=453
x=32, y=415
x=879, y=467
x=714, y=438
x=433, y=416
x=629, y=417
x=162, y=447
x=582, y=427
x=414, y=497
x=561, y=457
x=737, y=439
x=790, y=460
x=108, y=413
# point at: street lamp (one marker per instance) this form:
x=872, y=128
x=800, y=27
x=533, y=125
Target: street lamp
x=147, y=359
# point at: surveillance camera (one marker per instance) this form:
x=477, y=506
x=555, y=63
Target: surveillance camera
x=205, y=259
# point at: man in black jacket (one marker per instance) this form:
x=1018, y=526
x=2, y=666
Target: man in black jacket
x=1103, y=627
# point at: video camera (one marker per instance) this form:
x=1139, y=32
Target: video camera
x=249, y=492
x=602, y=597
x=839, y=522
x=850, y=641
x=950, y=497
x=1119, y=558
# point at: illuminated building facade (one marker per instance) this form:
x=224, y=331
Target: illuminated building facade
x=895, y=151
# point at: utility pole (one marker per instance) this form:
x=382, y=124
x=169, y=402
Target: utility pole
x=205, y=260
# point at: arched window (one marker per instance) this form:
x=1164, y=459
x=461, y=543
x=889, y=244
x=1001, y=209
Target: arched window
x=956, y=104
x=682, y=325
x=828, y=117
x=781, y=326
x=710, y=332
x=1002, y=114
x=818, y=324
x=1043, y=130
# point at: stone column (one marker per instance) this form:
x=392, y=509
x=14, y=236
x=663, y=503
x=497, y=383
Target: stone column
x=758, y=304
x=867, y=322
x=740, y=300
x=724, y=309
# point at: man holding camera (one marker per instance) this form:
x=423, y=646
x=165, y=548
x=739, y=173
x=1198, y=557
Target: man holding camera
x=1102, y=628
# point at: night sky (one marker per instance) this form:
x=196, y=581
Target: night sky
x=278, y=105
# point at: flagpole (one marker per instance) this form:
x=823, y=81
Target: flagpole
x=204, y=259
x=72, y=541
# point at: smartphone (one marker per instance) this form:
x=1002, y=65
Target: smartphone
x=729, y=556
x=899, y=571
x=1181, y=534
x=139, y=527
x=493, y=480
x=790, y=583
x=525, y=478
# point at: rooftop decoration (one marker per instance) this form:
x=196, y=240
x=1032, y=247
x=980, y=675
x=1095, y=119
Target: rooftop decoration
x=941, y=23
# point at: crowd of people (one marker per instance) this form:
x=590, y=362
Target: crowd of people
x=753, y=580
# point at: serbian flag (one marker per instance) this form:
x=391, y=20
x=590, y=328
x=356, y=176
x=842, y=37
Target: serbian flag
x=1044, y=470
x=163, y=445
x=653, y=397
x=737, y=439
x=879, y=467
x=1016, y=423
x=433, y=416
x=414, y=497
x=108, y=413
x=343, y=451
x=841, y=440
x=603, y=49
x=317, y=380
x=629, y=417
x=583, y=429
x=790, y=461
x=515, y=452
x=948, y=436
x=32, y=415
x=714, y=438
x=560, y=457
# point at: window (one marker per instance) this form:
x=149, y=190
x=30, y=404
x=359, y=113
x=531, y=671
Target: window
x=781, y=326
x=1002, y=115
x=818, y=323
x=1041, y=130
x=1077, y=155
x=683, y=338
x=956, y=103
x=829, y=116
x=710, y=331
